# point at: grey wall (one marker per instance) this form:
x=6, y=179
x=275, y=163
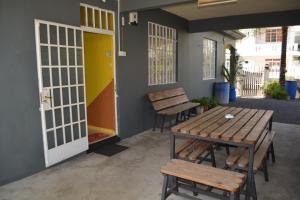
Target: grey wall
x=21, y=145
x=136, y=113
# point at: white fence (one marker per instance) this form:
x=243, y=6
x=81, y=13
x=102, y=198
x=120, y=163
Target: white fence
x=251, y=83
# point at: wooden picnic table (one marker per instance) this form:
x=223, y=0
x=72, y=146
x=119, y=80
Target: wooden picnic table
x=244, y=130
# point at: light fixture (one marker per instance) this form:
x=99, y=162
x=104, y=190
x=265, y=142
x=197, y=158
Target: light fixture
x=205, y=3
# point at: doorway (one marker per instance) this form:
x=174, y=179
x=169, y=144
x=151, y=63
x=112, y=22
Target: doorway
x=100, y=86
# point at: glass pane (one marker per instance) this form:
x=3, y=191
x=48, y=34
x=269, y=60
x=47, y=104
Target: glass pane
x=44, y=55
x=75, y=131
x=49, y=119
x=97, y=19
x=67, y=115
x=65, y=92
x=78, y=38
x=59, y=137
x=103, y=19
x=80, y=75
x=79, y=57
x=53, y=34
x=63, y=56
x=50, y=139
x=110, y=21
x=54, y=56
x=82, y=15
x=74, y=113
x=83, y=129
x=55, y=77
x=70, y=37
x=73, y=95
x=81, y=94
x=43, y=34
x=56, y=95
x=90, y=17
x=68, y=133
x=82, y=111
x=62, y=36
x=64, y=76
x=72, y=76
x=46, y=77
x=58, y=121
x=71, y=56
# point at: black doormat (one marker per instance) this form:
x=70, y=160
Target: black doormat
x=110, y=149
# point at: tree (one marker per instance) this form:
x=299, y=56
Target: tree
x=283, y=56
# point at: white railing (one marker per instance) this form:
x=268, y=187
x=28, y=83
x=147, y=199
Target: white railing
x=252, y=83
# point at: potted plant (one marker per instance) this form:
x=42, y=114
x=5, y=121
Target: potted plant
x=231, y=73
x=204, y=102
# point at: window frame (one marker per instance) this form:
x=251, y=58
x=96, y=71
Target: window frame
x=162, y=51
x=215, y=60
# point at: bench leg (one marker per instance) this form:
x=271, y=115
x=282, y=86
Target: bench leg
x=254, y=193
x=272, y=153
x=164, y=188
x=212, y=156
x=265, y=168
x=237, y=195
x=227, y=150
x=154, y=123
x=162, y=123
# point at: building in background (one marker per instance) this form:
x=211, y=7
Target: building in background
x=262, y=46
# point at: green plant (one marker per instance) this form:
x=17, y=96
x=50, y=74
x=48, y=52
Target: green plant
x=213, y=103
x=235, y=65
x=204, y=101
x=275, y=91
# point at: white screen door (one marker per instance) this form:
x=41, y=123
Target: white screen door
x=60, y=63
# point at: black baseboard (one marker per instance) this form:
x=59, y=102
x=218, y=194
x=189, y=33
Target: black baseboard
x=111, y=140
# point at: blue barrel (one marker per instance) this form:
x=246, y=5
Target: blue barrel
x=291, y=88
x=221, y=92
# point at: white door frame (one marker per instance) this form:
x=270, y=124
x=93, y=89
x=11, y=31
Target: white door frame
x=113, y=34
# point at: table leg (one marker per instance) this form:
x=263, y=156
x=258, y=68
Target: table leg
x=172, y=146
x=250, y=187
x=271, y=123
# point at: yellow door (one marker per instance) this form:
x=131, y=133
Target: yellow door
x=99, y=77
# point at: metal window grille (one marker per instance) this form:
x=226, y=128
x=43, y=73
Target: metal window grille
x=162, y=50
x=209, y=59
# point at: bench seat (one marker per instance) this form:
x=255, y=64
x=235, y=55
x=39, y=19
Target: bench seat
x=193, y=150
x=205, y=175
x=178, y=109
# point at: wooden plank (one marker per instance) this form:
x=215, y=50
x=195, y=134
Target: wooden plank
x=199, y=128
x=205, y=132
x=178, y=109
x=254, y=135
x=217, y=178
x=189, y=149
x=235, y=156
x=193, y=119
x=238, y=125
x=184, y=145
x=248, y=127
x=159, y=95
x=167, y=103
x=219, y=131
x=243, y=161
x=187, y=128
x=201, y=149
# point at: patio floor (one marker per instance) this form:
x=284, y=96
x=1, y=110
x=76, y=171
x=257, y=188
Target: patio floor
x=134, y=173
x=284, y=111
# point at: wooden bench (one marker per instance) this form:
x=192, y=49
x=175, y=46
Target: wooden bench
x=239, y=157
x=227, y=181
x=196, y=151
x=169, y=103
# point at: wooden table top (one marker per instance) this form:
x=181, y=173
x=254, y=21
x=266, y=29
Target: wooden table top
x=246, y=127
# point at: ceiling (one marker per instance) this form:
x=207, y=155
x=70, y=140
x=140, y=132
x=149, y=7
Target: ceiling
x=190, y=11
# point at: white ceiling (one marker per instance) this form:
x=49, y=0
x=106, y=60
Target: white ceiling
x=190, y=11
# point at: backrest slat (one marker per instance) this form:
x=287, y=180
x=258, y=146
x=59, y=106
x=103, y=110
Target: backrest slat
x=160, y=95
x=166, y=103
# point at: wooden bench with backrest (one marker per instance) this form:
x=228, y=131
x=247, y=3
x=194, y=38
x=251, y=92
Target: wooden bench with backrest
x=169, y=103
x=196, y=151
x=239, y=157
x=220, y=179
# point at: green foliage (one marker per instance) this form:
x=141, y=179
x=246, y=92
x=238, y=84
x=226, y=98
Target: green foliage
x=206, y=102
x=275, y=91
x=235, y=65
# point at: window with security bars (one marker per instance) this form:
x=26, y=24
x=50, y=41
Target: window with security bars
x=274, y=35
x=162, y=56
x=209, y=59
